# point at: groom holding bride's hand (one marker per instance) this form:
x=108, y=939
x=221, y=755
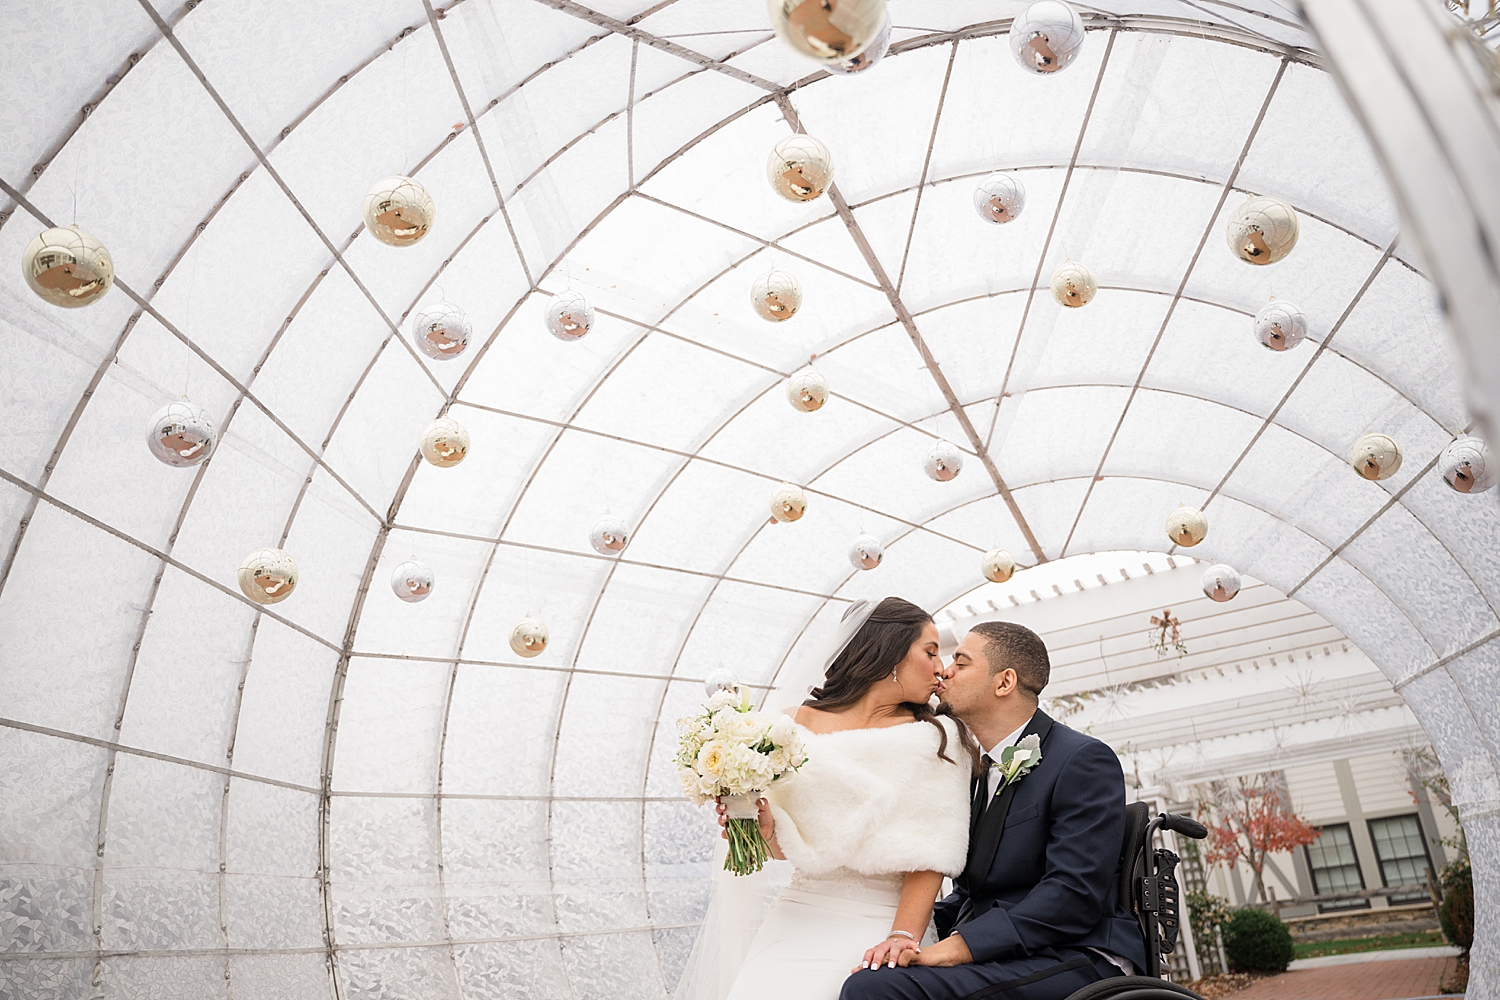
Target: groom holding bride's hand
x=1036, y=914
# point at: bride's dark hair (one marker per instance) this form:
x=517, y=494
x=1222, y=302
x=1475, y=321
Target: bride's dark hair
x=881, y=643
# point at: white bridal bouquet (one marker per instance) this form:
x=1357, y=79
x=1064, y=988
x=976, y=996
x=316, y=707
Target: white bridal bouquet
x=732, y=752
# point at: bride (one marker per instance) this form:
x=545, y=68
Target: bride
x=871, y=824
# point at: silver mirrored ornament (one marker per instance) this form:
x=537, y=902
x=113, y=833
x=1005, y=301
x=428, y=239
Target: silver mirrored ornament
x=1375, y=456
x=865, y=552
x=807, y=390
x=997, y=566
x=944, y=462
x=1000, y=197
x=609, y=535
x=1280, y=326
x=776, y=296
x=268, y=576
x=1187, y=526
x=800, y=168
x=788, y=502
x=1221, y=582
x=827, y=30
x=1469, y=466
x=1047, y=36
x=719, y=680
x=398, y=211
x=441, y=331
x=569, y=316
x=181, y=434
x=528, y=637
x=872, y=54
x=67, y=267
x=445, y=443
x=1074, y=285
x=412, y=581
x=1262, y=230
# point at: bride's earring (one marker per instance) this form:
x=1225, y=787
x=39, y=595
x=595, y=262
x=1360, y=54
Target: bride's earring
x=894, y=673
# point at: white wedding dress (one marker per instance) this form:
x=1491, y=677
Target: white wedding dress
x=868, y=806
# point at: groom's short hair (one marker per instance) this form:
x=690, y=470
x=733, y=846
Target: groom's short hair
x=1007, y=644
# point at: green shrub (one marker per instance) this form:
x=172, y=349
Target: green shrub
x=1256, y=941
x=1207, y=913
x=1456, y=913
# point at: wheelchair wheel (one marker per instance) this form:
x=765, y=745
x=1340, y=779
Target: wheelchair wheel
x=1134, y=988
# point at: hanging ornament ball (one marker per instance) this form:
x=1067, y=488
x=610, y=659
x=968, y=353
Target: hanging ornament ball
x=776, y=296
x=445, y=443
x=412, y=581
x=800, y=168
x=569, y=316
x=1375, y=456
x=1047, y=36
x=1469, y=466
x=829, y=31
x=181, y=434
x=999, y=198
x=1074, y=285
x=873, y=53
x=609, y=535
x=788, y=502
x=528, y=637
x=719, y=680
x=1187, y=526
x=1280, y=326
x=67, y=267
x=998, y=566
x=1262, y=230
x=441, y=331
x=398, y=211
x=944, y=461
x=1221, y=582
x=807, y=390
x=865, y=552
x=268, y=576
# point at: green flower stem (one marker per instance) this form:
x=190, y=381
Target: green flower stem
x=748, y=850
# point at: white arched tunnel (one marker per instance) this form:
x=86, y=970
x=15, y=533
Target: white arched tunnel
x=347, y=795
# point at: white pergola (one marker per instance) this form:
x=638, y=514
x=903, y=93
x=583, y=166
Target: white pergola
x=347, y=796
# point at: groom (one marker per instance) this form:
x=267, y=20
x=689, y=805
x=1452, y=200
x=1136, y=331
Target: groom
x=1036, y=914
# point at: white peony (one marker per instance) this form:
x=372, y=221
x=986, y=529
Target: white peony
x=783, y=731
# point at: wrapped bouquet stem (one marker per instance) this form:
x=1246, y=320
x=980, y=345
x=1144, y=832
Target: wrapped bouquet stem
x=729, y=751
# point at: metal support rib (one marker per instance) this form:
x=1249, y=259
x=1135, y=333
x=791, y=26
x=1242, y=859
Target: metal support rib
x=910, y=325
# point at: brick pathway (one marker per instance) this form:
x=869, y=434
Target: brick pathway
x=1396, y=980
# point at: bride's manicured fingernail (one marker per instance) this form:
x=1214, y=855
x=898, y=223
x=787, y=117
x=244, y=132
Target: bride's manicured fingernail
x=864, y=965
x=892, y=965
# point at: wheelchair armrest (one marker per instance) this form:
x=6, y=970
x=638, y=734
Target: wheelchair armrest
x=1184, y=825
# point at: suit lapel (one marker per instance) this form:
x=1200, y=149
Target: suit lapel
x=984, y=840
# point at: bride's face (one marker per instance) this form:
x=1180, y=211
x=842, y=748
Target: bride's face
x=918, y=674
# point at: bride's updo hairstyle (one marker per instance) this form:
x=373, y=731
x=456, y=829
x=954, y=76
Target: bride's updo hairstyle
x=872, y=656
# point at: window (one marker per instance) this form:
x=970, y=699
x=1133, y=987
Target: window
x=1402, y=852
x=1334, y=866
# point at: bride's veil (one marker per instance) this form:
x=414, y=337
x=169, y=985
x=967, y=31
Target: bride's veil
x=738, y=903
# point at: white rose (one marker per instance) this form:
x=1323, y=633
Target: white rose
x=721, y=699
x=745, y=727
x=713, y=758
x=783, y=731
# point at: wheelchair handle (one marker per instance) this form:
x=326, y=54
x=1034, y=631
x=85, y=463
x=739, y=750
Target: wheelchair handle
x=1184, y=825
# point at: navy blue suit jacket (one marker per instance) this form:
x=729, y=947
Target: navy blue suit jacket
x=1042, y=872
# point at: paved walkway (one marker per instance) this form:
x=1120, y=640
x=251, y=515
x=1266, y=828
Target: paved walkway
x=1389, y=980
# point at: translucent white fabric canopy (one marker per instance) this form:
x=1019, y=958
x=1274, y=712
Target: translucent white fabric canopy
x=348, y=796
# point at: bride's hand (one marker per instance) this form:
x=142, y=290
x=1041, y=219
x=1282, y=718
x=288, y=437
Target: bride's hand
x=767, y=825
x=892, y=952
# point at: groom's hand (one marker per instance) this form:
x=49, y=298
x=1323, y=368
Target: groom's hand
x=952, y=950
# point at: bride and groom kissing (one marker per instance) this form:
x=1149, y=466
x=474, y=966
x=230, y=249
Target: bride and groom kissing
x=1026, y=815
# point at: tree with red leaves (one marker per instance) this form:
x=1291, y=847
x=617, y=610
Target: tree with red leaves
x=1249, y=818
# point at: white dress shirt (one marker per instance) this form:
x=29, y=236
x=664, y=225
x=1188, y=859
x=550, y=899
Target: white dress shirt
x=992, y=779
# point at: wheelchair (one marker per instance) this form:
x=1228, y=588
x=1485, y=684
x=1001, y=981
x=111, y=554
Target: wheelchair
x=1148, y=879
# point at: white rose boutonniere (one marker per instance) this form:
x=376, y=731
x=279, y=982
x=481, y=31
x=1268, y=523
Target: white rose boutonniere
x=1017, y=761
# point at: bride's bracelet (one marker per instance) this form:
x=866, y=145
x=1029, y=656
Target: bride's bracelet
x=906, y=934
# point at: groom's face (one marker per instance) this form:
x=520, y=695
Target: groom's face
x=968, y=684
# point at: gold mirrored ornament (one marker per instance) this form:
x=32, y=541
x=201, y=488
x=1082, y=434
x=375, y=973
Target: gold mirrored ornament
x=441, y=331
x=1263, y=230
x=1074, y=285
x=67, y=267
x=872, y=53
x=776, y=296
x=997, y=566
x=398, y=211
x=829, y=31
x=800, y=168
x=807, y=390
x=528, y=637
x=268, y=576
x=788, y=502
x=181, y=434
x=445, y=443
x=1375, y=456
x=1187, y=526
